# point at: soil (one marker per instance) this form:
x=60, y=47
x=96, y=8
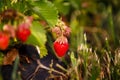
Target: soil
x=29, y=65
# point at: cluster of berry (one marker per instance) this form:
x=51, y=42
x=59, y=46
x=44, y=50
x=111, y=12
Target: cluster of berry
x=15, y=32
x=61, y=44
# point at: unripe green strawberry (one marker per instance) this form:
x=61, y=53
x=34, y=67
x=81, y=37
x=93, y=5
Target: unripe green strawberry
x=4, y=41
x=61, y=46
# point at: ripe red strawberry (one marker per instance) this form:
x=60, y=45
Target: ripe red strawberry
x=4, y=41
x=23, y=33
x=61, y=46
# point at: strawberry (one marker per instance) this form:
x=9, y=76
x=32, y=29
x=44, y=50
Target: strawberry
x=61, y=46
x=23, y=32
x=4, y=41
x=10, y=29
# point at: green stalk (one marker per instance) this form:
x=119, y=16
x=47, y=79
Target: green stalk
x=14, y=76
x=111, y=24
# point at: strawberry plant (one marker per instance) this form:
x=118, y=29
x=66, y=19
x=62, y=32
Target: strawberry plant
x=20, y=24
x=23, y=25
x=64, y=39
x=61, y=44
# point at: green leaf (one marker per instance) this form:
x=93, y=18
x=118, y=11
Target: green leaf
x=62, y=6
x=38, y=37
x=20, y=6
x=46, y=10
x=4, y=4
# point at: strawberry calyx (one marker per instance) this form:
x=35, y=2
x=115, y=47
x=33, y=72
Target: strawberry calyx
x=62, y=39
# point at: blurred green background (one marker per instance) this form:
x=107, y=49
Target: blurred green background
x=99, y=19
x=95, y=24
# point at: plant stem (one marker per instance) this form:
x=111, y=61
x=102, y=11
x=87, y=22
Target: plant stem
x=47, y=68
x=77, y=74
x=62, y=68
x=40, y=65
